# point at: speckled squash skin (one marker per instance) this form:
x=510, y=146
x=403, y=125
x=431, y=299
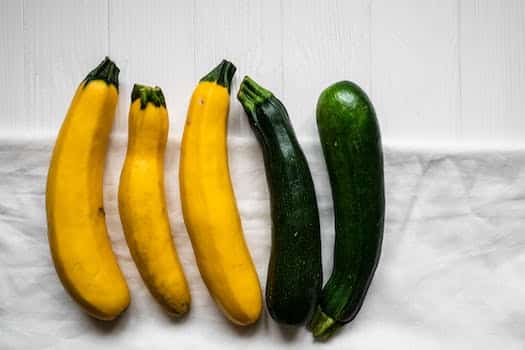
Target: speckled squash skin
x=295, y=271
x=142, y=202
x=351, y=142
x=76, y=220
x=208, y=202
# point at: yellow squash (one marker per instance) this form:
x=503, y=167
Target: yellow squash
x=77, y=232
x=208, y=203
x=142, y=202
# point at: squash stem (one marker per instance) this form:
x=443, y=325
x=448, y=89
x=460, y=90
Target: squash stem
x=107, y=71
x=323, y=326
x=147, y=94
x=222, y=74
x=251, y=95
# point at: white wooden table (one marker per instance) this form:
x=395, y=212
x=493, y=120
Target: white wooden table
x=438, y=71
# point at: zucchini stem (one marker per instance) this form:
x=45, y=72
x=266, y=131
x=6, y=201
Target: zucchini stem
x=222, y=74
x=148, y=94
x=322, y=325
x=107, y=71
x=251, y=95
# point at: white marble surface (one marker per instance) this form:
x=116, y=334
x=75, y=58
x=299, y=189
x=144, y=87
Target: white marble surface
x=450, y=276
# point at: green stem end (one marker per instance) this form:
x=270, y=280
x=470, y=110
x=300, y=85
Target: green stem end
x=323, y=326
x=107, y=71
x=148, y=94
x=251, y=95
x=222, y=74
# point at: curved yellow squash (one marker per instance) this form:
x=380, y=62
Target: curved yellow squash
x=142, y=202
x=208, y=202
x=77, y=232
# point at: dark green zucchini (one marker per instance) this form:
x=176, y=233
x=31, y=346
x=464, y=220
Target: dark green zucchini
x=295, y=271
x=351, y=143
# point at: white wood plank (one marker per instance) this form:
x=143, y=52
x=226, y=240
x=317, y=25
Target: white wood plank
x=415, y=74
x=323, y=42
x=63, y=41
x=405, y=54
x=248, y=33
x=154, y=44
x=11, y=66
x=493, y=70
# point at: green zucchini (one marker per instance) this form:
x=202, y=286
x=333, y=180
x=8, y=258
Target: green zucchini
x=295, y=271
x=351, y=143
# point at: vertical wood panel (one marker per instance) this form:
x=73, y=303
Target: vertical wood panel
x=249, y=34
x=415, y=75
x=323, y=42
x=406, y=55
x=11, y=66
x=493, y=70
x=63, y=41
x=153, y=42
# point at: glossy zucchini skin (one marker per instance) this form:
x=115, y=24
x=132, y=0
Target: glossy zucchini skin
x=351, y=142
x=295, y=271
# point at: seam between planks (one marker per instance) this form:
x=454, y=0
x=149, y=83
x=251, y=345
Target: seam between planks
x=193, y=28
x=108, y=24
x=24, y=60
x=370, y=53
x=27, y=77
x=459, y=122
x=281, y=19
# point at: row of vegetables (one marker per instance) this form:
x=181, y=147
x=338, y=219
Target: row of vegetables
x=78, y=236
